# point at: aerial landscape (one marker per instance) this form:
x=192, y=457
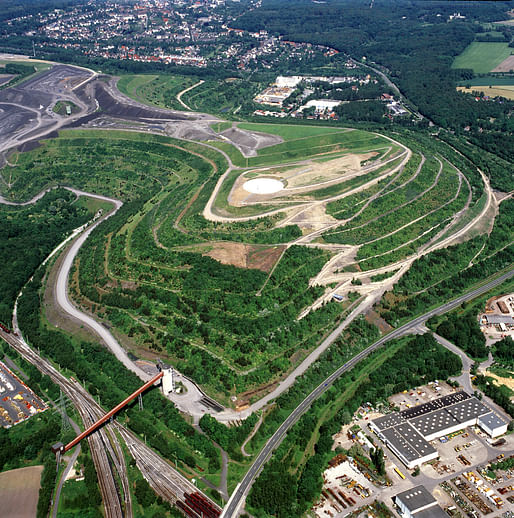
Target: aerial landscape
x=257, y=258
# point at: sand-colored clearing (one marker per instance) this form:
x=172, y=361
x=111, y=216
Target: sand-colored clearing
x=509, y=382
x=314, y=217
x=245, y=256
x=506, y=91
x=265, y=184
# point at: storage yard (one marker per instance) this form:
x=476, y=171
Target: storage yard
x=17, y=401
x=464, y=472
x=498, y=319
x=345, y=490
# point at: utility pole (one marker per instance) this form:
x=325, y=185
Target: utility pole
x=61, y=407
x=33, y=49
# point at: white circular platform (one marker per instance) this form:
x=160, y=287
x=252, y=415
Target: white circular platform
x=263, y=186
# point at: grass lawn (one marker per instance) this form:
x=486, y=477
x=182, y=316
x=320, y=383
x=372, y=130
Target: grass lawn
x=94, y=204
x=38, y=65
x=289, y=131
x=156, y=90
x=482, y=57
x=316, y=146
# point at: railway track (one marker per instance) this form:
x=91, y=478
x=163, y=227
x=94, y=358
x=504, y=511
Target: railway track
x=106, y=478
x=106, y=451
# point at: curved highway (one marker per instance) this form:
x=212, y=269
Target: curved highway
x=241, y=490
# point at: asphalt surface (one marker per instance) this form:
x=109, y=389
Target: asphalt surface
x=62, y=299
x=64, y=474
x=241, y=490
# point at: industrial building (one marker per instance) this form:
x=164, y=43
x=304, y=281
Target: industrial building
x=321, y=105
x=504, y=322
x=408, y=433
x=418, y=503
x=403, y=440
x=492, y=424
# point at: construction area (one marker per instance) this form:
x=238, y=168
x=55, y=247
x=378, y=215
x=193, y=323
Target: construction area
x=498, y=320
x=17, y=401
x=345, y=488
x=279, y=91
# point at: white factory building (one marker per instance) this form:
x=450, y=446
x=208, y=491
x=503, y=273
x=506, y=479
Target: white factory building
x=417, y=502
x=408, y=433
x=492, y=425
x=321, y=105
x=289, y=82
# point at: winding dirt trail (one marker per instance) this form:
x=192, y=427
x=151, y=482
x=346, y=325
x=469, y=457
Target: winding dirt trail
x=210, y=215
x=180, y=94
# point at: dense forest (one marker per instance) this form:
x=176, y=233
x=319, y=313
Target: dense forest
x=28, y=235
x=464, y=331
x=412, y=42
x=504, y=351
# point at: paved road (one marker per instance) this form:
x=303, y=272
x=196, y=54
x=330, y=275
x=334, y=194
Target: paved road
x=180, y=94
x=63, y=301
x=465, y=378
x=64, y=474
x=241, y=490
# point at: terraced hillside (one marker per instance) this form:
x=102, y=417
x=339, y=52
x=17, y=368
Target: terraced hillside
x=222, y=282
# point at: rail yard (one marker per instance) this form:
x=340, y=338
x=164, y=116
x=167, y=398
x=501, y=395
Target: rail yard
x=107, y=453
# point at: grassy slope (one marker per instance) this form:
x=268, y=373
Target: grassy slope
x=482, y=57
x=487, y=81
x=155, y=90
x=288, y=131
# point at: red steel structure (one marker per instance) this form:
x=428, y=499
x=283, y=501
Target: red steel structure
x=109, y=414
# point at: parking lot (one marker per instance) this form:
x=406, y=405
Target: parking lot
x=17, y=401
x=420, y=395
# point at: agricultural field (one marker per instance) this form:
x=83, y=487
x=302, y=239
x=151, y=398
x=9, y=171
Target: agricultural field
x=482, y=57
x=506, y=91
x=231, y=286
x=156, y=90
x=19, y=491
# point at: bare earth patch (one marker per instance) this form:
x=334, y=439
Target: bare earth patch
x=245, y=398
x=325, y=171
x=245, y=256
x=509, y=382
x=506, y=65
x=374, y=318
x=19, y=492
x=313, y=218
